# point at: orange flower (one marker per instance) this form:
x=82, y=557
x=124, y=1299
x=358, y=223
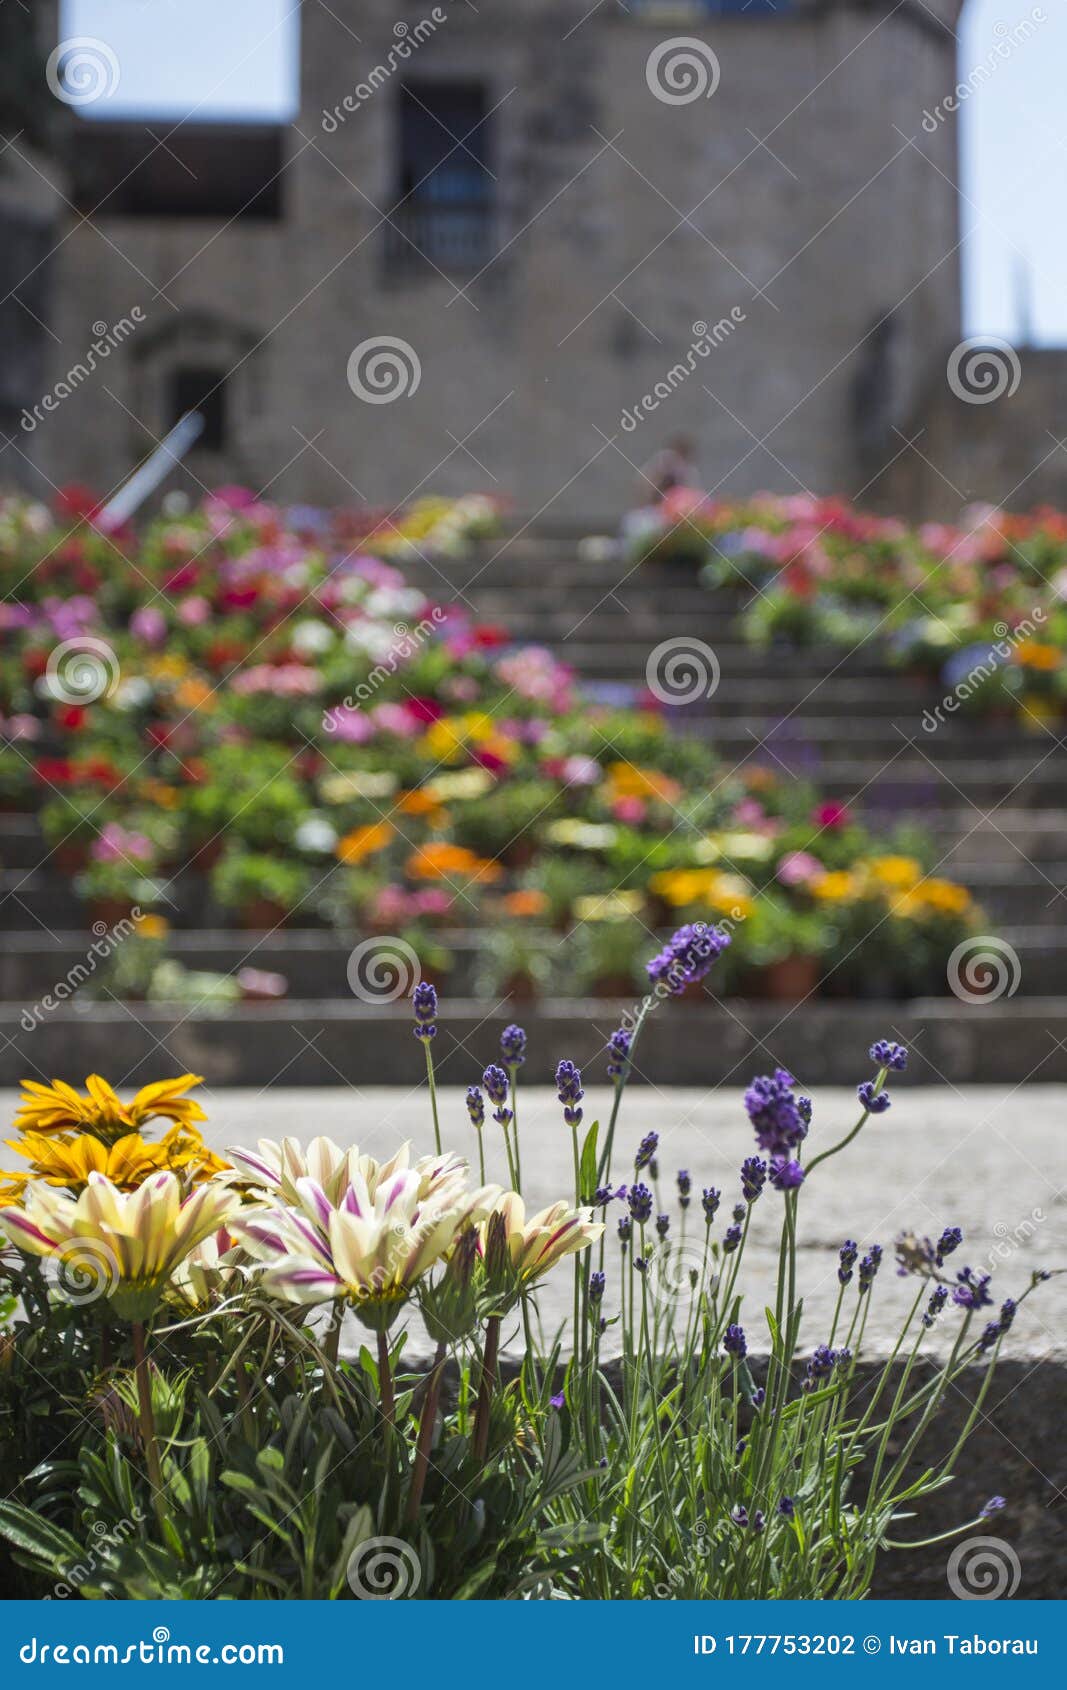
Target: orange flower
x=440, y=860
x=364, y=841
x=526, y=902
x=417, y=802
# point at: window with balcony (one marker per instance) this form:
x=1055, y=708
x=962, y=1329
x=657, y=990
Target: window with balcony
x=444, y=178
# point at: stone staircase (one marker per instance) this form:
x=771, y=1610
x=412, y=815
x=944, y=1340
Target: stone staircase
x=993, y=796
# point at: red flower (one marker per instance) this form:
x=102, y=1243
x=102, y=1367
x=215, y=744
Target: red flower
x=488, y=635
x=54, y=771
x=72, y=717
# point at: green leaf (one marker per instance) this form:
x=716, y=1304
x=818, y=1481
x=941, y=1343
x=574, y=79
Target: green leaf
x=587, y=1165
x=28, y=1531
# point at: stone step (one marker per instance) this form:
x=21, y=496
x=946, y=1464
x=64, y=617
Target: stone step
x=317, y=1044
x=315, y=963
x=856, y=735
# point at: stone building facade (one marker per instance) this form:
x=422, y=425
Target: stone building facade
x=580, y=256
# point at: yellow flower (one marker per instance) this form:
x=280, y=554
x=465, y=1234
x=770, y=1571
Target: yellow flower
x=152, y=927
x=945, y=896
x=115, y=1244
x=838, y=887
x=127, y=1163
x=58, y=1108
x=533, y=1246
x=901, y=872
x=626, y=780
x=447, y=738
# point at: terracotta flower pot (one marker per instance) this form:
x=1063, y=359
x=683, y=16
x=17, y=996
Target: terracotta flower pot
x=792, y=979
x=262, y=913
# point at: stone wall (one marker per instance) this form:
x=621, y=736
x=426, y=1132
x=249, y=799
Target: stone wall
x=621, y=221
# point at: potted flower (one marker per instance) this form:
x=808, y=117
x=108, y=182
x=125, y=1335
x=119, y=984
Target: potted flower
x=262, y=891
x=786, y=946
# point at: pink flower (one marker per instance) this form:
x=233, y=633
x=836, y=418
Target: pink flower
x=629, y=810
x=831, y=815
x=194, y=611
x=798, y=868
x=149, y=624
x=749, y=813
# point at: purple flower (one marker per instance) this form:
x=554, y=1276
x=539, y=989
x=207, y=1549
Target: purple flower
x=972, y=1290
x=663, y=1225
x=686, y=957
x=559, y=1400
x=475, y=1106
x=495, y=1082
x=786, y=1174
x=513, y=1046
x=597, y=1282
x=869, y=1266
x=989, y=1337
x=778, y=1115
x=753, y=1178
x=618, y=1053
x=685, y=1186
x=709, y=1202
x=734, y=1341
x=1007, y=1313
x=758, y=1521
x=739, y=1515
x=875, y=1102
x=639, y=1200
x=603, y=1195
x=569, y=1089
x=731, y=1239
x=993, y=1506
x=626, y=1227
x=424, y=1003
x=950, y=1240
x=759, y=1397
x=847, y=1256
x=885, y=1054
x=786, y=1507
x=646, y=1150
x=938, y=1299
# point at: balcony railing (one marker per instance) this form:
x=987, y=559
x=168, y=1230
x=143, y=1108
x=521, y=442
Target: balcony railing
x=456, y=237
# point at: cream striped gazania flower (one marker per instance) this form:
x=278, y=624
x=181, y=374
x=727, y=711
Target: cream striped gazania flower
x=274, y=1169
x=532, y=1246
x=122, y=1245
x=369, y=1250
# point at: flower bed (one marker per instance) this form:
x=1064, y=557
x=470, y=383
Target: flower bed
x=247, y=717
x=177, y=1420
x=981, y=606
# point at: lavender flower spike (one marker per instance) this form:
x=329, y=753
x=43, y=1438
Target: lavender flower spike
x=569, y=1088
x=424, y=1003
x=513, y=1046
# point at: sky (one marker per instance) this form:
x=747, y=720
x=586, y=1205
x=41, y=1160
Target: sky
x=1013, y=125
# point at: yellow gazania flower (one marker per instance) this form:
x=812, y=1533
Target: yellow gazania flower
x=115, y=1244
x=58, y=1108
x=449, y=736
x=127, y=1163
x=531, y=1246
x=1033, y=655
